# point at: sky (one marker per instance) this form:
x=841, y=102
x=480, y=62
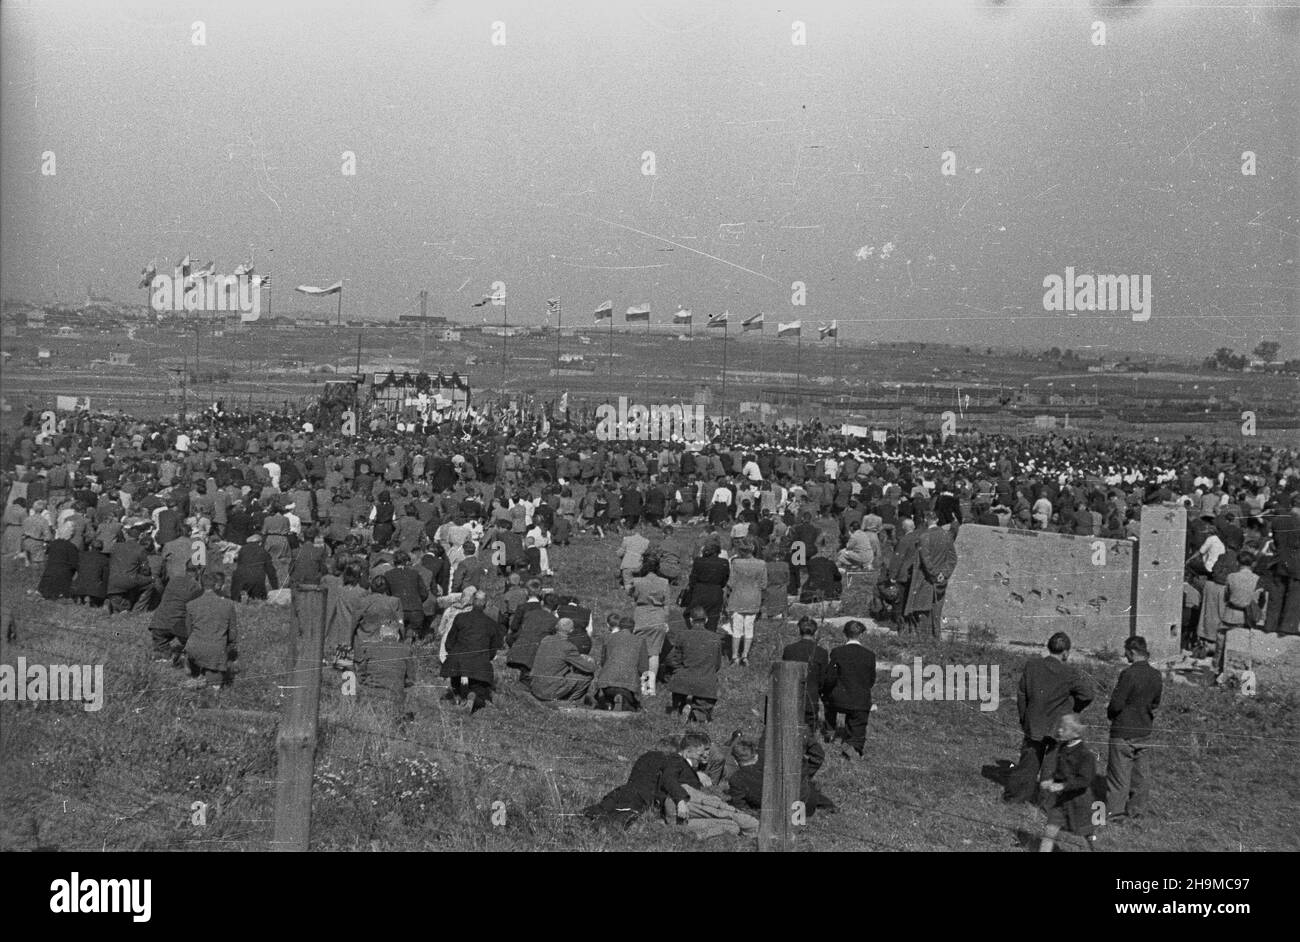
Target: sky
x=774, y=162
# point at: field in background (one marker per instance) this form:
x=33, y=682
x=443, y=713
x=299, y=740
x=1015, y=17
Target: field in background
x=884, y=385
x=128, y=776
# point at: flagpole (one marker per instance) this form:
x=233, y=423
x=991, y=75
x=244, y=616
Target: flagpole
x=505, y=322
x=726, y=325
x=338, y=326
x=559, y=320
x=611, y=350
x=798, y=387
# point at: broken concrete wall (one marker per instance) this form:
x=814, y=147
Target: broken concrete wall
x=1024, y=585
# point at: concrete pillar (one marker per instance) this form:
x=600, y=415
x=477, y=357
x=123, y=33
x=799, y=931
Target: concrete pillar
x=1158, y=582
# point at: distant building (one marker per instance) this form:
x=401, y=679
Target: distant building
x=449, y=335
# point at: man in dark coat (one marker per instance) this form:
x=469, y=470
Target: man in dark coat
x=709, y=577
x=807, y=650
x=405, y=584
x=1132, y=713
x=168, y=623
x=535, y=625
x=694, y=659
x=128, y=574
x=253, y=569
x=936, y=562
x=849, y=678
x=623, y=662
x=212, y=635
x=61, y=560
x=1049, y=689
x=559, y=671
x=472, y=642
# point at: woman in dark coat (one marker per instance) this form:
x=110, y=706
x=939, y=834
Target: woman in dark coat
x=61, y=558
x=709, y=576
x=90, y=585
x=383, y=519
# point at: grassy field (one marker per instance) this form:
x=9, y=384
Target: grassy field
x=128, y=776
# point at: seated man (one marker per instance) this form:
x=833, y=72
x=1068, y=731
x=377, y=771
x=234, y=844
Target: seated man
x=559, y=671
x=745, y=786
x=704, y=815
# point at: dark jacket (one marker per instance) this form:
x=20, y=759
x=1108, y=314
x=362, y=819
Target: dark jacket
x=472, y=642
x=1050, y=688
x=405, y=585
x=1133, y=704
x=622, y=661
x=92, y=574
x=252, y=565
x=308, y=565
x=850, y=677
x=709, y=575
x=169, y=616
x=819, y=662
x=694, y=659
x=61, y=561
x=537, y=624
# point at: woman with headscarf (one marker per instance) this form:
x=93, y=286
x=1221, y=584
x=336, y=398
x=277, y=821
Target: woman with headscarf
x=37, y=533
x=11, y=538
x=61, y=557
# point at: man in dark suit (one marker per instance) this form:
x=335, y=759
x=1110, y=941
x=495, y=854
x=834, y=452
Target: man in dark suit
x=849, y=679
x=253, y=569
x=405, y=585
x=807, y=650
x=472, y=642
x=803, y=545
x=1049, y=689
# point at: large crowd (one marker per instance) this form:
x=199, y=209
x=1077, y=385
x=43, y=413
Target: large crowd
x=447, y=536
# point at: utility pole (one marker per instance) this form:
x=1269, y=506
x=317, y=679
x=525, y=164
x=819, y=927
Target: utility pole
x=424, y=324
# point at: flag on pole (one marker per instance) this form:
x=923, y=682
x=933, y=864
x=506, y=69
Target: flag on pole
x=498, y=298
x=308, y=289
x=794, y=327
x=828, y=330
x=752, y=323
x=638, y=312
x=605, y=310
x=185, y=267
x=682, y=317
x=261, y=281
x=719, y=320
x=564, y=403
x=244, y=270
x=553, y=307
x=147, y=275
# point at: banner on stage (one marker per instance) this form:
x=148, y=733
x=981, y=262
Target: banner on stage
x=72, y=403
x=878, y=435
x=857, y=431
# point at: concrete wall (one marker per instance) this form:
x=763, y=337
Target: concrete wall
x=1024, y=585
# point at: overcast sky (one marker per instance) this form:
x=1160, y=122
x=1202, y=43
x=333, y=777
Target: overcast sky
x=774, y=162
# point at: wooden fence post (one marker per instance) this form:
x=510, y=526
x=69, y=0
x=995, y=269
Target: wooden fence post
x=782, y=754
x=296, y=743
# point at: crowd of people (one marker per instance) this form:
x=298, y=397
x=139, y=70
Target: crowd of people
x=449, y=536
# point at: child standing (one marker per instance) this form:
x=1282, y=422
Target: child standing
x=1069, y=802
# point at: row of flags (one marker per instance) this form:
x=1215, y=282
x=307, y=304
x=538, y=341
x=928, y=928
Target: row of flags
x=191, y=275
x=641, y=312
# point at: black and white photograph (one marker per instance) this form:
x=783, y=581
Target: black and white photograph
x=651, y=426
